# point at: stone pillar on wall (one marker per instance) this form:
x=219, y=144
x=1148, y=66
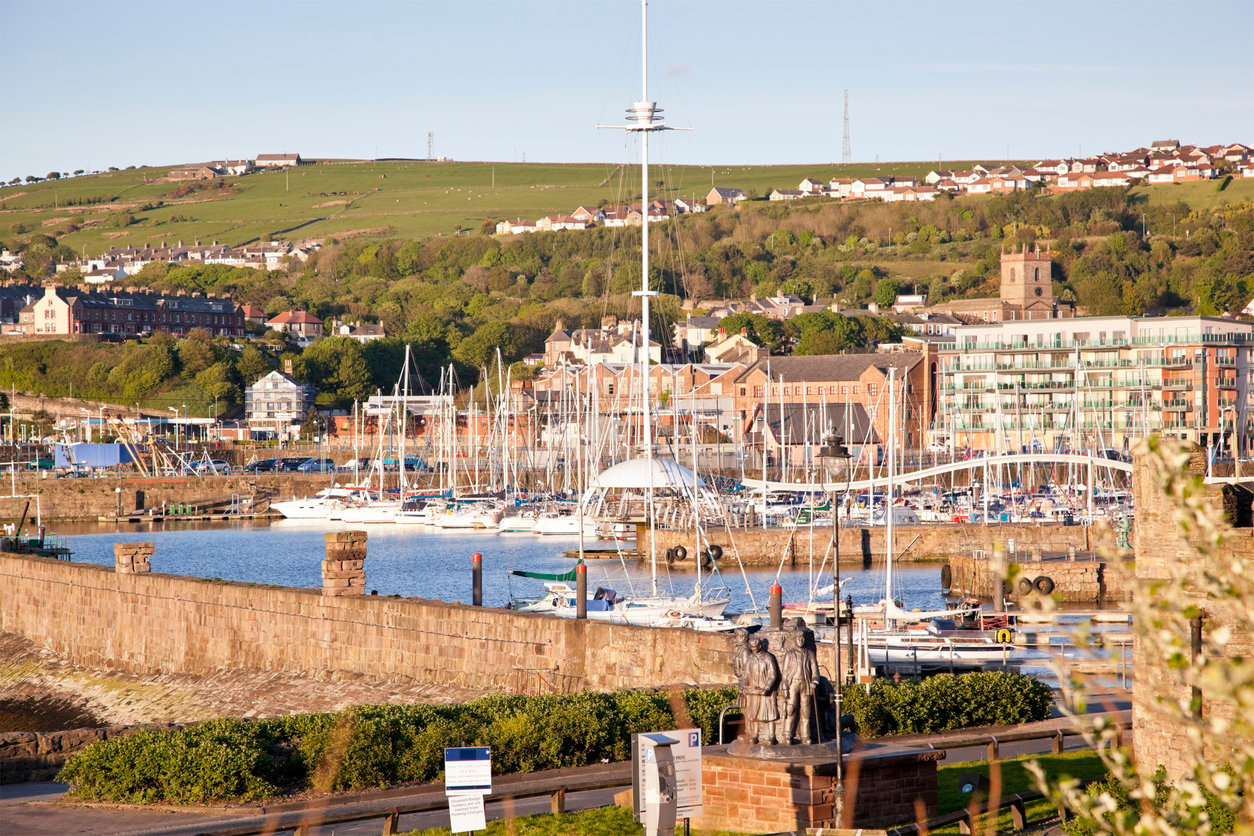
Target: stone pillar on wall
x=344, y=568
x=133, y=558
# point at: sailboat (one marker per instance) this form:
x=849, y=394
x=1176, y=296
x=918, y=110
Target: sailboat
x=644, y=117
x=890, y=637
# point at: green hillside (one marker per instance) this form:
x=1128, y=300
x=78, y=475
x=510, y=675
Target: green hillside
x=407, y=199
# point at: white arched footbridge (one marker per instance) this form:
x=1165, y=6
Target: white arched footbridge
x=982, y=463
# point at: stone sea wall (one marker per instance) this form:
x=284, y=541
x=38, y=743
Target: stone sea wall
x=768, y=547
x=138, y=621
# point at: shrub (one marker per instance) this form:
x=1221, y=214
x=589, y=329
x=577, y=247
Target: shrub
x=381, y=745
x=948, y=701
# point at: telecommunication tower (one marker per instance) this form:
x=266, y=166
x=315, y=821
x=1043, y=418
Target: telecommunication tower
x=846, y=150
x=430, y=145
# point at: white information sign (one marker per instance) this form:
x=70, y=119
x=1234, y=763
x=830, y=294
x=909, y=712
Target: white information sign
x=465, y=812
x=687, y=758
x=468, y=770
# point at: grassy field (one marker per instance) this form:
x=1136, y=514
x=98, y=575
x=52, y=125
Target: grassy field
x=402, y=198
x=410, y=199
x=1202, y=195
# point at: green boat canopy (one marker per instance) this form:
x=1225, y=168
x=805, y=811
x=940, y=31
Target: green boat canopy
x=545, y=576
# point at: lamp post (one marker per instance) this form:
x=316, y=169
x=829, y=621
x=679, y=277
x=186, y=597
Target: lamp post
x=833, y=450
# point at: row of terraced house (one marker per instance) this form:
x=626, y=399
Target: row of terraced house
x=1165, y=161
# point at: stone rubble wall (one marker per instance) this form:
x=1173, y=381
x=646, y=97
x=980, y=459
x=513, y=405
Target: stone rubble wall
x=1159, y=542
x=149, y=622
x=39, y=756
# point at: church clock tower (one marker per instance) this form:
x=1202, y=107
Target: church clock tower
x=1025, y=283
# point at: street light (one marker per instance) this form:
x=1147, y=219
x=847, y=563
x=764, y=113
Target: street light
x=834, y=450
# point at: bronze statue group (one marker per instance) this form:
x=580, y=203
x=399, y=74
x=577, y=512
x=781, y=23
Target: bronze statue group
x=784, y=699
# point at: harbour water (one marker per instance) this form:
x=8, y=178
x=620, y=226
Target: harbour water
x=415, y=561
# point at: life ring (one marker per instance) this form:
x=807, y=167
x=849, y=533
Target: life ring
x=681, y=553
x=1024, y=585
x=716, y=552
x=1004, y=636
x=1044, y=584
x=947, y=577
x=674, y=614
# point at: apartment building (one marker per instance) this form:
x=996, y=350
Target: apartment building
x=1097, y=383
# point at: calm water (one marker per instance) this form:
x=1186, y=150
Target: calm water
x=421, y=562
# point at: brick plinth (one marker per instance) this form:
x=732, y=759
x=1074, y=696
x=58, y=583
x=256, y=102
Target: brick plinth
x=133, y=558
x=881, y=788
x=344, y=567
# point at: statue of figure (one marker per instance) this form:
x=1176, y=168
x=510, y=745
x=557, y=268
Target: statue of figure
x=758, y=693
x=799, y=677
x=740, y=655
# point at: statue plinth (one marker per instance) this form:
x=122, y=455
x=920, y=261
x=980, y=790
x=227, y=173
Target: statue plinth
x=782, y=752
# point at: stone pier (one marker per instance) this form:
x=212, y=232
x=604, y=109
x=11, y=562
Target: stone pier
x=133, y=558
x=344, y=567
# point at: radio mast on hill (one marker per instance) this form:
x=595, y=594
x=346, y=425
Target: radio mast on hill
x=431, y=145
x=846, y=150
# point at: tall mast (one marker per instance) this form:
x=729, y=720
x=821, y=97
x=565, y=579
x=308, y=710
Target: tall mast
x=645, y=117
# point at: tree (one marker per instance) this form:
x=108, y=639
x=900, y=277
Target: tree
x=886, y=291
x=252, y=364
x=53, y=175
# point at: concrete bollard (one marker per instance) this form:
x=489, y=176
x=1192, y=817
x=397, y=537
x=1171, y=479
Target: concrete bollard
x=776, y=607
x=476, y=579
x=133, y=558
x=581, y=591
x=344, y=568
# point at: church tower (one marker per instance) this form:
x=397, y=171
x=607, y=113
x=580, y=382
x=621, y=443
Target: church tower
x=1025, y=283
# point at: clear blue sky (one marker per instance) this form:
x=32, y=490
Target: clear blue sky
x=110, y=82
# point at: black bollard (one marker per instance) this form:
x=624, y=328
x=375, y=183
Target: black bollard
x=476, y=574
x=776, y=606
x=581, y=591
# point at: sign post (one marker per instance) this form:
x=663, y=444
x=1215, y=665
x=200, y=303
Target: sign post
x=467, y=779
x=686, y=754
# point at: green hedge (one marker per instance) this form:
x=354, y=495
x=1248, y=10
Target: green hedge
x=947, y=701
x=379, y=745
x=383, y=745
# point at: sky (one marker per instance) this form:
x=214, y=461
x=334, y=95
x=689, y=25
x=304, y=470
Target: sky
x=89, y=84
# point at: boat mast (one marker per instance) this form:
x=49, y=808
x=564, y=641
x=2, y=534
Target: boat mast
x=889, y=603
x=645, y=117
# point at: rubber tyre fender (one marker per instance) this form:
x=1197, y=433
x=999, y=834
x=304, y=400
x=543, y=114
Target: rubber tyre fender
x=681, y=553
x=707, y=562
x=1024, y=585
x=670, y=557
x=716, y=552
x=1044, y=584
x=947, y=577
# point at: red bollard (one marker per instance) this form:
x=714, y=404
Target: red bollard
x=476, y=574
x=776, y=607
x=581, y=591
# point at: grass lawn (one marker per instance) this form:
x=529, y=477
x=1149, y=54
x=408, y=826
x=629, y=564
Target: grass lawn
x=1084, y=765
x=604, y=821
x=610, y=821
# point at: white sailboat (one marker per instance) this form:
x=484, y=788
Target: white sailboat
x=915, y=639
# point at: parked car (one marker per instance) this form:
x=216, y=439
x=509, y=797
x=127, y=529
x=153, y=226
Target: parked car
x=316, y=465
x=291, y=464
x=215, y=467
x=262, y=466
